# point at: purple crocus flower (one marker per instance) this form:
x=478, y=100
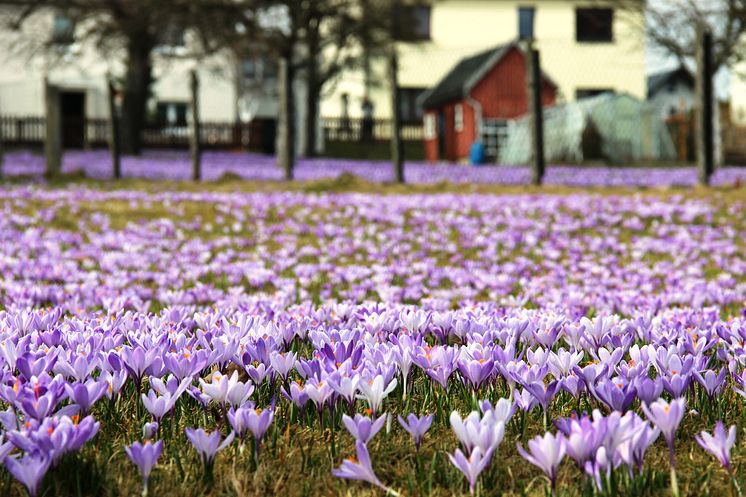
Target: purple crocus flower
x=207, y=444
x=145, y=456
x=545, y=452
x=667, y=418
x=711, y=382
x=648, y=390
x=473, y=465
x=363, y=428
x=149, y=430
x=86, y=394
x=255, y=420
x=29, y=470
x=719, y=443
x=475, y=372
x=616, y=394
x=416, y=427
x=486, y=433
x=360, y=468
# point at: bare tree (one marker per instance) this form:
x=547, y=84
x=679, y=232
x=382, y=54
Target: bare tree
x=672, y=26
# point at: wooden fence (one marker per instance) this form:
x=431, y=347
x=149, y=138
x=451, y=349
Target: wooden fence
x=259, y=135
x=347, y=129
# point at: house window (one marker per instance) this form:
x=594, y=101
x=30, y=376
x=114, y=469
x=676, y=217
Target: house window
x=526, y=23
x=429, y=127
x=172, y=113
x=594, y=24
x=409, y=106
x=581, y=93
x=458, y=118
x=63, y=30
x=494, y=134
x=248, y=69
x=414, y=25
x=171, y=36
x=269, y=68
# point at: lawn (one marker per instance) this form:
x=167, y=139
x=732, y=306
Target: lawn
x=266, y=313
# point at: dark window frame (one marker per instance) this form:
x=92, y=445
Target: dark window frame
x=529, y=24
x=63, y=30
x=415, y=23
x=182, y=111
x=409, y=102
x=594, y=24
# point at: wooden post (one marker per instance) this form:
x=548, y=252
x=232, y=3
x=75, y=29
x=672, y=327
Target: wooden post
x=2, y=156
x=194, y=143
x=397, y=150
x=53, y=140
x=704, y=99
x=536, y=114
x=286, y=118
x=114, y=143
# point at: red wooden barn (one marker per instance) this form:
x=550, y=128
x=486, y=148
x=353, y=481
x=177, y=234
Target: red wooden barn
x=474, y=101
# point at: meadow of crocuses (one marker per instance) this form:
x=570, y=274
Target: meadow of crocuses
x=176, y=165
x=191, y=341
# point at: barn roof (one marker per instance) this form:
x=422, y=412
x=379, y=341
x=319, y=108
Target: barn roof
x=460, y=80
x=658, y=81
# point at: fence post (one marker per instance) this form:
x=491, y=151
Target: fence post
x=704, y=99
x=114, y=142
x=2, y=156
x=194, y=144
x=535, y=112
x=397, y=151
x=53, y=139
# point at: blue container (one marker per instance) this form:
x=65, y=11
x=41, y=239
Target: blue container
x=476, y=154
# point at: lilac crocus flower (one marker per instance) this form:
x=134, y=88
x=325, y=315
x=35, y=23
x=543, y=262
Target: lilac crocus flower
x=207, y=444
x=145, y=456
x=374, y=391
x=255, y=420
x=86, y=394
x=416, y=427
x=472, y=431
x=29, y=470
x=711, y=382
x=719, y=443
x=149, y=430
x=363, y=428
x=545, y=452
x=473, y=465
x=360, y=468
x=616, y=394
x=667, y=418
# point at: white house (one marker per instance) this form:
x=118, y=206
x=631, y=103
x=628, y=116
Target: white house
x=587, y=47
x=231, y=90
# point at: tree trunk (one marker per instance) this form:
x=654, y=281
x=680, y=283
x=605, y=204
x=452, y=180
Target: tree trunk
x=136, y=87
x=704, y=109
x=194, y=142
x=114, y=135
x=397, y=150
x=286, y=118
x=313, y=92
x=53, y=139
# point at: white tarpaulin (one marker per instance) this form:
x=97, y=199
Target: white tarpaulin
x=614, y=127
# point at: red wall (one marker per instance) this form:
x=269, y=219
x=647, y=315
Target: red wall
x=502, y=93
